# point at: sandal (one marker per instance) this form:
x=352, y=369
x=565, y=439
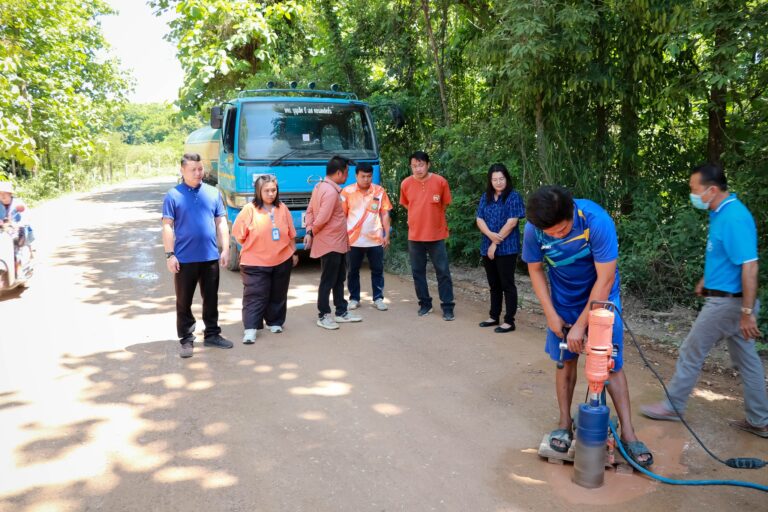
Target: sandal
x=748, y=427
x=635, y=450
x=562, y=435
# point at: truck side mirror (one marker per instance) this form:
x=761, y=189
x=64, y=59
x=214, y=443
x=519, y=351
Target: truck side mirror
x=216, y=117
x=228, y=130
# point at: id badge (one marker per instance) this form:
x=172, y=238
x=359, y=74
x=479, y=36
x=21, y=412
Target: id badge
x=275, y=234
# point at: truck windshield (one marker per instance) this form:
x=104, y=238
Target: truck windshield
x=315, y=130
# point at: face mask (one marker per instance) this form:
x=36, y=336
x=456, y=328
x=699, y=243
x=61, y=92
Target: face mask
x=698, y=203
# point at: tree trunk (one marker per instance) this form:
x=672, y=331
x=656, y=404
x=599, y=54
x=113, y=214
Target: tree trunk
x=628, y=145
x=438, y=66
x=339, y=48
x=541, y=144
x=717, y=109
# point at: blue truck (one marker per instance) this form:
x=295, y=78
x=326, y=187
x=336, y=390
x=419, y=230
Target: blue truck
x=289, y=133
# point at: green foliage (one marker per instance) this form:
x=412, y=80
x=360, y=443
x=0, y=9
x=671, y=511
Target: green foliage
x=57, y=94
x=221, y=43
x=153, y=123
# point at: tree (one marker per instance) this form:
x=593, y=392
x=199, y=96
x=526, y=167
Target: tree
x=57, y=91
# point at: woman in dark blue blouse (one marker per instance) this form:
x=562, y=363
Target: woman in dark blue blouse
x=498, y=213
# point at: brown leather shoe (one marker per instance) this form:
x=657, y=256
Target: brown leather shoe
x=659, y=411
x=748, y=427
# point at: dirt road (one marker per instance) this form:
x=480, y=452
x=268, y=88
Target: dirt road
x=98, y=412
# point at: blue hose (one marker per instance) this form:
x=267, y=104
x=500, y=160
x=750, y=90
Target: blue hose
x=735, y=483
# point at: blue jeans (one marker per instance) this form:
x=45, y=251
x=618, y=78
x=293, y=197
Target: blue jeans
x=375, y=261
x=417, y=252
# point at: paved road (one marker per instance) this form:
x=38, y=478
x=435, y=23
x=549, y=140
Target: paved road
x=97, y=411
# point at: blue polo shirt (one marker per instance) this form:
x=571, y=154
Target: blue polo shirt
x=732, y=241
x=496, y=213
x=193, y=211
x=571, y=260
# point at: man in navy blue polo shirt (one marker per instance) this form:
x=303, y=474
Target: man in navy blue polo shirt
x=576, y=240
x=193, y=216
x=730, y=309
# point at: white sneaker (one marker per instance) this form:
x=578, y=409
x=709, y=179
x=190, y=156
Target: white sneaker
x=249, y=336
x=348, y=317
x=275, y=328
x=379, y=303
x=353, y=304
x=327, y=322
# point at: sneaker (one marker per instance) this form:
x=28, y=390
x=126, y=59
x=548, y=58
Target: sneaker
x=327, y=322
x=425, y=310
x=186, y=349
x=217, y=340
x=275, y=328
x=353, y=304
x=348, y=317
x=379, y=303
x=448, y=316
x=249, y=337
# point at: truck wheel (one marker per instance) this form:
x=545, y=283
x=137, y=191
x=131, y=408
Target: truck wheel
x=234, y=256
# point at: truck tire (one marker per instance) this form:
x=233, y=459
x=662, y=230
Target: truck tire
x=234, y=256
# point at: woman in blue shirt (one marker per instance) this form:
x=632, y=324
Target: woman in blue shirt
x=498, y=213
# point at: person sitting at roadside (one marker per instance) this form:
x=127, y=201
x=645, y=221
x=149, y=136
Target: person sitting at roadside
x=13, y=212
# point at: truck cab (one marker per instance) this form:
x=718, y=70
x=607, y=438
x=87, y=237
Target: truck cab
x=291, y=134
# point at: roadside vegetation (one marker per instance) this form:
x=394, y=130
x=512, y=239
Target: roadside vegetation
x=614, y=99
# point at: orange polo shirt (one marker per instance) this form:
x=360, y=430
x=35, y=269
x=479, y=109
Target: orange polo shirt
x=364, y=210
x=253, y=230
x=426, y=202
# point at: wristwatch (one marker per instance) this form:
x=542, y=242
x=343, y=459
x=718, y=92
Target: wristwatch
x=747, y=311
x=169, y=254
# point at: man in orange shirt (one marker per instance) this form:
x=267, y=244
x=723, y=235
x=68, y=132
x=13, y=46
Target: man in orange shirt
x=367, y=208
x=327, y=239
x=426, y=196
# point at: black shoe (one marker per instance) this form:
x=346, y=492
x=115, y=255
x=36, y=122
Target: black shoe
x=425, y=310
x=488, y=324
x=506, y=329
x=448, y=316
x=217, y=340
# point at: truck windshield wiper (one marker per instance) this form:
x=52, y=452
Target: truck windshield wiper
x=293, y=152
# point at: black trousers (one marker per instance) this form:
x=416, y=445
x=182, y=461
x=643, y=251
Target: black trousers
x=205, y=273
x=333, y=267
x=265, y=294
x=501, y=278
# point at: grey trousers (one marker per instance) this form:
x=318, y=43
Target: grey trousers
x=719, y=319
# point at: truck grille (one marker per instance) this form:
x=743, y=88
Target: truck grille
x=296, y=200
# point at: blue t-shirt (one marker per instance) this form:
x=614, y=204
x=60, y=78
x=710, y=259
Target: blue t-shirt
x=193, y=211
x=732, y=241
x=571, y=260
x=496, y=213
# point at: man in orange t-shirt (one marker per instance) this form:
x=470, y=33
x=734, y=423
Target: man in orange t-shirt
x=367, y=207
x=426, y=196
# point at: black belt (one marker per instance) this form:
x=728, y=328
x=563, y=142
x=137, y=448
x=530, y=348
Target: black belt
x=717, y=293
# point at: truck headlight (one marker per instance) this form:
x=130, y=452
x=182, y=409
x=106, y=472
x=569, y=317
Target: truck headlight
x=238, y=200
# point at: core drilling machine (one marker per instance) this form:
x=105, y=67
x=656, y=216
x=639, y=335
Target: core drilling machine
x=592, y=421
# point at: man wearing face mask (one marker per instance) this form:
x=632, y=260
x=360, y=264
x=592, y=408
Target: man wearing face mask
x=730, y=310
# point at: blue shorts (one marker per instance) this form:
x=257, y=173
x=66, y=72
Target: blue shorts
x=552, y=346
